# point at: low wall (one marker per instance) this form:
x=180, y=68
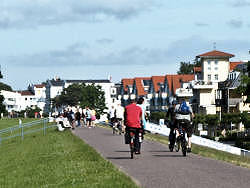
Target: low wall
x=162, y=129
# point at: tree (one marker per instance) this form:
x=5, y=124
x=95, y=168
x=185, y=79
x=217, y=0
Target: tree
x=198, y=118
x=244, y=87
x=212, y=121
x=83, y=95
x=5, y=87
x=186, y=68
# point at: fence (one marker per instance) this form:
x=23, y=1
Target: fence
x=24, y=129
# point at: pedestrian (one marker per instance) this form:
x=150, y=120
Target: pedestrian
x=78, y=118
x=88, y=117
x=93, y=117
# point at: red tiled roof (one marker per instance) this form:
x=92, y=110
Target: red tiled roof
x=39, y=85
x=234, y=64
x=127, y=82
x=174, y=81
x=156, y=80
x=197, y=69
x=139, y=85
x=216, y=53
x=26, y=92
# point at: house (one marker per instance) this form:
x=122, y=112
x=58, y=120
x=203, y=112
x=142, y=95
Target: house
x=55, y=86
x=215, y=68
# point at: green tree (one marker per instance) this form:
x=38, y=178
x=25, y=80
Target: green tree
x=83, y=95
x=5, y=87
x=244, y=87
x=186, y=68
x=212, y=121
x=198, y=118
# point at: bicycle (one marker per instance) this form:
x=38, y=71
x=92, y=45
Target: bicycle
x=132, y=136
x=181, y=141
x=117, y=127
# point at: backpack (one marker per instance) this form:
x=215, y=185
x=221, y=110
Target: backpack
x=184, y=108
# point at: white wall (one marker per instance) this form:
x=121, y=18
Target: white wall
x=221, y=69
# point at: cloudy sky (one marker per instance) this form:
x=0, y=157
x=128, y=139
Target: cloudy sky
x=91, y=39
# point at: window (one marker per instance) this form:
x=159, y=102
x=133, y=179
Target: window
x=216, y=76
x=208, y=62
x=26, y=99
x=216, y=62
x=209, y=68
x=209, y=77
x=215, y=68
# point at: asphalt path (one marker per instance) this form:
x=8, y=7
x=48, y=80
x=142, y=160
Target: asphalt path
x=157, y=167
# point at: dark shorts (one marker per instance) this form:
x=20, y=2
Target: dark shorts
x=188, y=127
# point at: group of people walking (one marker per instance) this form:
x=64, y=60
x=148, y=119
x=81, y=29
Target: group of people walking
x=78, y=117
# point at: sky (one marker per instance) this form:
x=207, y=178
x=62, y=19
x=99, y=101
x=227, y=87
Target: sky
x=95, y=39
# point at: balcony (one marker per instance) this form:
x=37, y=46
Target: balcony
x=182, y=92
x=204, y=85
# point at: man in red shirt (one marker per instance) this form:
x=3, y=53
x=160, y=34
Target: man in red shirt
x=132, y=119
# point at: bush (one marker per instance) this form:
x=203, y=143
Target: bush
x=243, y=143
x=155, y=116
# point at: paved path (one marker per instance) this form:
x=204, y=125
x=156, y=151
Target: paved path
x=157, y=167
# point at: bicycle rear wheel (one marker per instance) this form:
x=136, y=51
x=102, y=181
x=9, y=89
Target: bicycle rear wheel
x=184, y=147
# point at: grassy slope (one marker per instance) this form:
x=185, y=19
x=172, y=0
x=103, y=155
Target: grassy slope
x=207, y=152
x=58, y=159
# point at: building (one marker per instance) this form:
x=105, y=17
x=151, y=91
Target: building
x=215, y=68
x=55, y=86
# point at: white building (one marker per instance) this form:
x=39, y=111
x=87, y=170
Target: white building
x=215, y=68
x=54, y=88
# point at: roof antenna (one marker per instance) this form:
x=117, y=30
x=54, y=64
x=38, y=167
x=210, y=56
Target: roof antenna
x=214, y=45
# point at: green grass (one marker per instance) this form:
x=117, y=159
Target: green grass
x=5, y=122
x=58, y=159
x=207, y=152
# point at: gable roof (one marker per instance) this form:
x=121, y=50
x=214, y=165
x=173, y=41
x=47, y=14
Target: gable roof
x=156, y=81
x=39, y=85
x=175, y=80
x=140, y=86
x=127, y=82
x=215, y=53
x=25, y=92
x=234, y=64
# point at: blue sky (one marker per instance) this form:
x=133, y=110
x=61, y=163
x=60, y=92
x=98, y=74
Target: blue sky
x=91, y=39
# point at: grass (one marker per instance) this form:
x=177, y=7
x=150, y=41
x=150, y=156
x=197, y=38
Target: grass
x=207, y=152
x=58, y=159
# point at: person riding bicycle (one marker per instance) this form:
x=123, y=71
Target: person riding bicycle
x=170, y=117
x=119, y=114
x=132, y=120
x=184, y=113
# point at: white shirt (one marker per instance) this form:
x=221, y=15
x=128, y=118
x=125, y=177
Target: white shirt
x=120, y=112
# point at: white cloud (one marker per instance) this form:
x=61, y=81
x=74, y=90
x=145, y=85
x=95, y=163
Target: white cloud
x=241, y=3
x=33, y=13
x=235, y=23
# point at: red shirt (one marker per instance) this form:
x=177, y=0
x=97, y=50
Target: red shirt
x=133, y=116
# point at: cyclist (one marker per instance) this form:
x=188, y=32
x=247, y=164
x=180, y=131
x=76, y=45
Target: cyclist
x=184, y=113
x=172, y=124
x=119, y=113
x=132, y=120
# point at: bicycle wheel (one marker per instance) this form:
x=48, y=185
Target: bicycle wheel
x=177, y=145
x=184, y=147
